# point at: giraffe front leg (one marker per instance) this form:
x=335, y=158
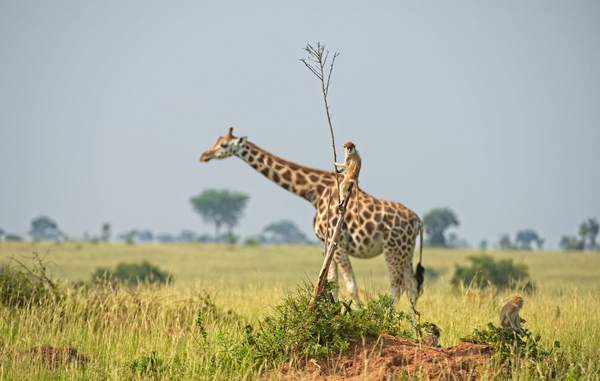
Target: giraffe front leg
x=332, y=275
x=341, y=258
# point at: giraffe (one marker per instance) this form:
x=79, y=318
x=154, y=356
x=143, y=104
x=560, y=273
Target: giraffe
x=386, y=226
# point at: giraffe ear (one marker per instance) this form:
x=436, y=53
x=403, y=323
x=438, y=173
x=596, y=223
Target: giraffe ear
x=241, y=141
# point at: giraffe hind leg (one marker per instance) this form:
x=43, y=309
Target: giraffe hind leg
x=393, y=261
x=398, y=257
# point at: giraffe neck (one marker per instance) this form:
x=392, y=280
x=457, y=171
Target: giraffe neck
x=306, y=182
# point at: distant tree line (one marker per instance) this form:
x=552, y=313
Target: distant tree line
x=223, y=208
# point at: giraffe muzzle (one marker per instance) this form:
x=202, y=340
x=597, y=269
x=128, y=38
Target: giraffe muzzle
x=206, y=156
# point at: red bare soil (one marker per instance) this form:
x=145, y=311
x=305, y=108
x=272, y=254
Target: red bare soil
x=382, y=359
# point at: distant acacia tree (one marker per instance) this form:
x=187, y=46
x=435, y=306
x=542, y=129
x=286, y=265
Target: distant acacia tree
x=284, y=231
x=1, y=233
x=526, y=237
x=589, y=229
x=436, y=222
x=106, y=232
x=43, y=228
x=220, y=207
x=505, y=243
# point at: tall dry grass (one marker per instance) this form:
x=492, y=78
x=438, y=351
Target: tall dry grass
x=117, y=327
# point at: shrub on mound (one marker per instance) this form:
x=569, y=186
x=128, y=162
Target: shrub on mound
x=133, y=273
x=293, y=329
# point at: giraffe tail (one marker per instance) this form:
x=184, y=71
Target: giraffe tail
x=420, y=272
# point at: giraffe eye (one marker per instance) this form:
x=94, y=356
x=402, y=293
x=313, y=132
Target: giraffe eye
x=224, y=145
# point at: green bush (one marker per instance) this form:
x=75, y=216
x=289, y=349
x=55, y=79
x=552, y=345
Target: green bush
x=293, y=329
x=485, y=271
x=132, y=274
x=21, y=285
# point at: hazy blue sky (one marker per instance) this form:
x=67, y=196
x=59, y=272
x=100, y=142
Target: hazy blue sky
x=489, y=108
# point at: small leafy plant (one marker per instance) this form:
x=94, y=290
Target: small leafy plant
x=150, y=365
x=154, y=366
x=508, y=343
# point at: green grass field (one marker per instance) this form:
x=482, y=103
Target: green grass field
x=238, y=266
x=116, y=328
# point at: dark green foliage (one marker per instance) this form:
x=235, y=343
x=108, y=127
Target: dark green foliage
x=292, y=329
x=485, y=271
x=509, y=343
x=133, y=273
x=21, y=285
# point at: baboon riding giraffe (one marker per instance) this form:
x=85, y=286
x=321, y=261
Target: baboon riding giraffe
x=386, y=226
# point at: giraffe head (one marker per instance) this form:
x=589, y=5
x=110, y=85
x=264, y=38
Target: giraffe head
x=226, y=146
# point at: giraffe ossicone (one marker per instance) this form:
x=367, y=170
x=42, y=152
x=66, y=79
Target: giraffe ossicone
x=385, y=227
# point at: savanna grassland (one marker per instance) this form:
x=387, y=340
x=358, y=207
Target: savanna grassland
x=151, y=332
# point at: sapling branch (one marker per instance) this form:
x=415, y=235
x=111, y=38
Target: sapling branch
x=317, y=59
